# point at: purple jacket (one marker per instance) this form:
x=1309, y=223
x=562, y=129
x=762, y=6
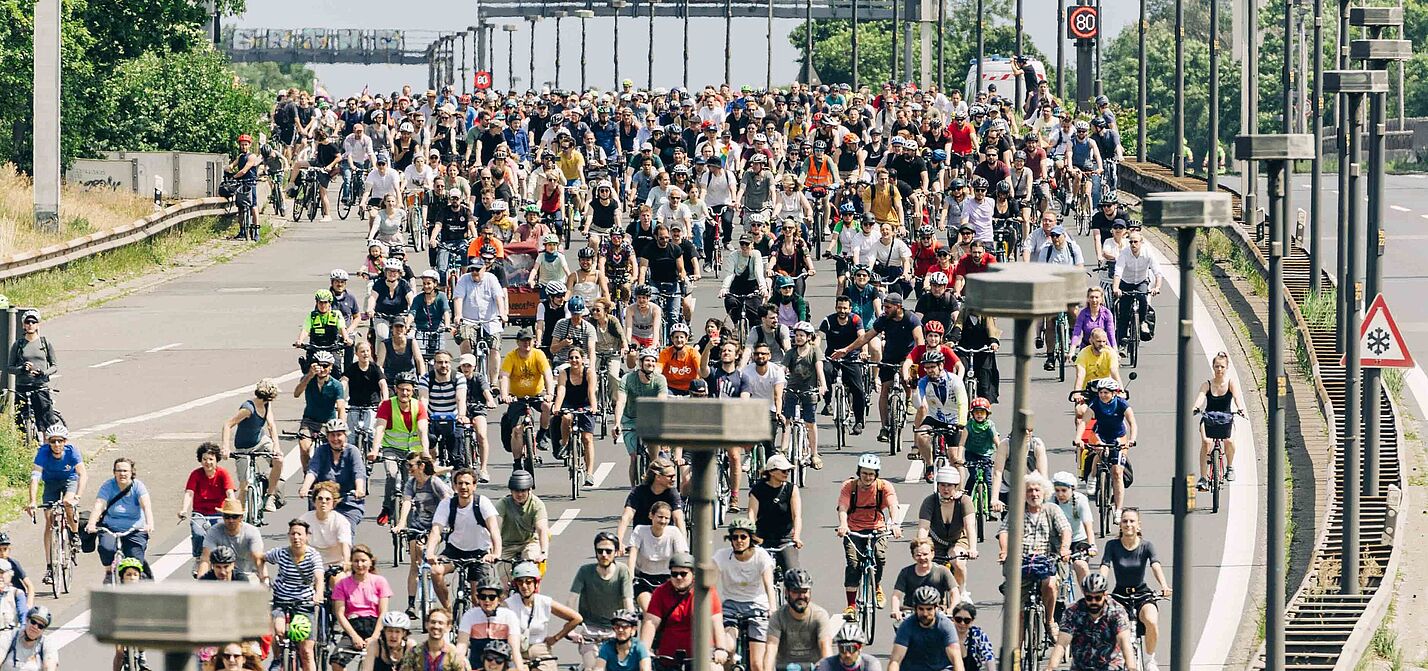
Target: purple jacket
x=1085, y=323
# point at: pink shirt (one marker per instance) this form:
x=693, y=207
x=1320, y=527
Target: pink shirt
x=363, y=598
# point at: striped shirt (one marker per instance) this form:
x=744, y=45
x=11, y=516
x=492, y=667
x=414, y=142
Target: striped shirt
x=441, y=396
x=583, y=334
x=293, y=581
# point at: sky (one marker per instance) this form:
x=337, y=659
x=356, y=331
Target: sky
x=749, y=61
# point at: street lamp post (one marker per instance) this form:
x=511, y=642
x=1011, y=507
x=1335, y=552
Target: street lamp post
x=617, y=5
x=728, y=40
x=703, y=427
x=179, y=617
x=768, y=46
x=1316, y=165
x=1277, y=151
x=684, y=14
x=583, y=15
x=510, y=29
x=533, y=20
x=1185, y=213
x=1212, y=155
x=1140, y=151
x=981, y=49
x=853, y=56
x=559, y=14
x=1178, y=158
x=1016, y=79
x=1023, y=292
x=649, y=60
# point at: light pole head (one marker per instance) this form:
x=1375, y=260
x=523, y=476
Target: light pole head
x=618, y=5
x=585, y=13
x=1376, y=17
x=1381, y=50
x=559, y=13
x=509, y=27
x=1356, y=81
x=1274, y=147
x=1021, y=291
x=1187, y=209
x=179, y=615
x=703, y=423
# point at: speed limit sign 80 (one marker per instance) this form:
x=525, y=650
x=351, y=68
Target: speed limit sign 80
x=1082, y=23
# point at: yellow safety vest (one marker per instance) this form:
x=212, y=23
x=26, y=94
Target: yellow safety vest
x=399, y=436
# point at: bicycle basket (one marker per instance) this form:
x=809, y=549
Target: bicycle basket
x=227, y=188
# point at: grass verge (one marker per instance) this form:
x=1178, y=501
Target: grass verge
x=81, y=212
x=15, y=462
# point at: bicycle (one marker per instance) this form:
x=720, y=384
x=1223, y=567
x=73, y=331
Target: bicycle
x=979, y=485
x=741, y=640
x=1066, y=581
x=22, y=404
x=285, y=649
x=351, y=190
x=247, y=228
x=111, y=575
x=1133, y=607
x=840, y=405
x=897, y=407
x=451, y=260
x=820, y=221
x=778, y=569
x=943, y=438
x=866, y=601
x=1035, y=640
x=275, y=194
x=1216, y=460
x=462, y=599
x=63, y=557
x=604, y=395
x=747, y=315
x=1105, y=492
x=392, y=463
x=425, y=595
x=969, y=358
x=1006, y=238
x=416, y=219
x=134, y=660
x=672, y=305
x=800, y=452
x=443, y=424
x=1136, y=322
x=723, y=492
x=307, y=198
x=527, y=426
x=1061, y=349
x=255, y=495
x=575, y=450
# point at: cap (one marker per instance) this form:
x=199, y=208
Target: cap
x=30, y=316
x=893, y=298
x=231, y=507
x=681, y=560
x=5, y=565
x=467, y=360
x=698, y=385
x=525, y=334
x=1059, y=230
x=777, y=462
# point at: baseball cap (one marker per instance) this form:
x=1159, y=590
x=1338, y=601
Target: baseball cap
x=525, y=334
x=1059, y=230
x=893, y=298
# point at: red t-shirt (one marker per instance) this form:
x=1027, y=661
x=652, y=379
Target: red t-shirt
x=676, y=614
x=208, y=493
x=968, y=265
x=924, y=257
x=949, y=358
x=384, y=412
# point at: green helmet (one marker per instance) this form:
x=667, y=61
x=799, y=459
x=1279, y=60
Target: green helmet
x=129, y=563
x=322, y=296
x=299, y=628
x=743, y=524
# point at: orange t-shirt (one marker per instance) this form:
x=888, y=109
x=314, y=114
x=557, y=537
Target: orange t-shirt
x=679, y=370
x=865, y=512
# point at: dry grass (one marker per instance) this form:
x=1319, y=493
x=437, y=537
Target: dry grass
x=81, y=213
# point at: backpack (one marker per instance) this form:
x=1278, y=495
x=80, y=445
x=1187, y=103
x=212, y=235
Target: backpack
x=475, y=512
x=1148, y=333
x=877, y=502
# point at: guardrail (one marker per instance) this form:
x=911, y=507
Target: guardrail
x=54, y=256
x=1324, y=630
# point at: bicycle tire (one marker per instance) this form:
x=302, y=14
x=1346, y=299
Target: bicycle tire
x=980, y=504
x=56, y=562
x=572, y=458
x=299, y=204
x=868, y=607
x=1103, y=498
x=840, y=419
x=1133, y=340
x=897, y=412
x=1032, y=628
x=345, y=200
x=1063, y=344
x=724, y=493
x=1216, y=473
x=800, y=455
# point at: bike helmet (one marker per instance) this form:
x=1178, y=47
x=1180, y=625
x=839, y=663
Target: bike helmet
x=1063, y=479
x=805, y=327
x=981, y=403
x=497, y=648
x=430, y=274
x=531, y=209
x=323, y=356
x=586, y=253
x=933, y=326
x=393, y=264
x=862, y=269
x=644, y=290
x=625, y=615
x=925, y=231
x=338, y=275
x=395, y=619
x=521, y=481
x=649, y=353
x=550, y=239
x=555, y=288
x=681, y=560
x=781, y=281
x=927, y=595
x=299, y=628
x=245, y=138
x=1082, y=126
x=336, y=425
x=797, y=579
x=1019, y=155
x=40, y=614
x=958, y=183
x=820, y=146
x=526, y=570
x=940, y=279
x=850, y=632
x=980, y=183
x=933, y=356
x=56, y=431
x=406, y=377
x=847, y=208
x=978, y=110
x=948, y=475
x=938, y=155
x=743, y=524
x=577, y=306
x=1030, y=138
x=1102, y=100
x=221, y=555
x=1003, y=188
x=606, y=537
x=679, y=327
x=1110, y=198
x=488, y=583
x=1094, y=583
x=870, y=461
x=1108, y=384
x=129, y=563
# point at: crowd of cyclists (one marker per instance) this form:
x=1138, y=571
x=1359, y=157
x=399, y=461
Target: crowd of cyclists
x=656, y=192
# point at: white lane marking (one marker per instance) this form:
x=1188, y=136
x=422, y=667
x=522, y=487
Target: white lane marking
x=1227, y=603
x=56, y=376
x=110, y=362
x=240, y=290
x=914, y=471
x=566, y=517
x=198, y=435
x=601, y=472
x=1416, y=176
x=1425, y=216
x=900, y=513
x=182, y=407
x=1418, y=384
x=161, y=348
x=1399, y=208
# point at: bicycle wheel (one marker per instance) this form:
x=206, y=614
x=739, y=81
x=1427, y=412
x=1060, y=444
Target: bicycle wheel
x=840, y=415
x=300, y=204
x=1063, y=345
x=724, y=497
x=1033, y=631
x=257, y=493
x=67, y=560
x=345, y=200
x=896, y=416
x=415, y=229
x=799, y=447
x=868, y=606
x=980, y=504
x=1103, y=499
x=577, y=470
x=1216, y=472
x=55, y=561
x=1133, y=342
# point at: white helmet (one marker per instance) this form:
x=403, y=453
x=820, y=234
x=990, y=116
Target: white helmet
x=393, y=264
x=938, y=278
x=805, y=327
x=338, y=274
x=396, y=619
x=948, y=475
x=679, y=327
x=870, y=461
x=1064, y=479
x=649, y=353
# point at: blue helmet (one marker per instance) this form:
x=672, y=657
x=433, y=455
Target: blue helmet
x=847, y=208
x=576, y=305
x=938, y=155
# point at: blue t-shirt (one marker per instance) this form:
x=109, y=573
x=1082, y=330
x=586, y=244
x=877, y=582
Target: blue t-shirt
x=320, y=402
x=346, y=470
x=1110, y=418
x=125, y=513
x=61, y=468
x=638, y=652
x=898, y=333
x=926, y=646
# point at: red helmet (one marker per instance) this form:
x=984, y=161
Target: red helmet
x=934, y=327
x=980, y=403
x=245, y=138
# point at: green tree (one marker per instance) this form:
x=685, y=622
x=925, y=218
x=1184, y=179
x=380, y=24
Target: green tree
x=17, y=64
x=125, y=29
x=177, y=101
x=268, y=76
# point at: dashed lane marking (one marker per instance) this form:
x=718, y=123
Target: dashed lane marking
x=161, y=348
x=566, y=517
x=110, y=362
x=601, y=472
x=1399, y=208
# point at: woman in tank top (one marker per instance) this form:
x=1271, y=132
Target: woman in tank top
x=603, y=212
x=387, y=652
x=1220, y=400
x=400, y=353
x=388, y=223
x=585, y=281
x=642, y=319
x=575, y=390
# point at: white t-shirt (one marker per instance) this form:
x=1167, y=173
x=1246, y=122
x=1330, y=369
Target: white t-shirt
x=744, y=580
x=888, y=254
x=652, y=554
x=382, y=184
x=19, y=657
x=677, y=217
x=480, y=626
x=328, y=536
x=535, y=620
x=762, y=386
x=467, y=534
x=420, y=179
x=719, y=189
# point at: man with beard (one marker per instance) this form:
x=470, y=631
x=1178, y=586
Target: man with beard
x=800, y=632
x=850, y=640
x=602, y=592
x=670, y=615
x=927, y=642
x=1046, y=536
x=1096, y=629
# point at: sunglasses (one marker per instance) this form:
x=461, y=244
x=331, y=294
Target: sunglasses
x=487, y=596
x=962, y=620
x=233, y=655
x=850, y=647
x=232, y=517
x=604, y=551
x=493, y=658
x=680, y=574
x=39, y=625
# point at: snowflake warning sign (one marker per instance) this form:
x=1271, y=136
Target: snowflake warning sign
x=1380, y=343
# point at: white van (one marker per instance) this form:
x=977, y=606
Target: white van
x=1001, y=71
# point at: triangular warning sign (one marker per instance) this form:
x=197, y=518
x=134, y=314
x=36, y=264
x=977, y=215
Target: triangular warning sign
x=1380, y=343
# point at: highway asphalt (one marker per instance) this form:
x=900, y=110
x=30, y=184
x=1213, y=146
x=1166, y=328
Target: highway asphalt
x=151, y=375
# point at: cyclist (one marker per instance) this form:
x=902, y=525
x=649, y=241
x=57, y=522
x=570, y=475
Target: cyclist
x=391, y=643
x=929, y=641
x=617, y=262
x=244, y=169
x=668, y=623
x=342, y=464
x=357, y=604
x=324, y=399
x=979, y=655
x=776, y=507
x=601, y=592
x=575, y=393
x=622, y=651
x=445, y=393
x=32, y=362
x=941, y=405
x=746, y=581
x=948, y=519
x=865, y=505
x=525, y=526
x=850, y=640
x=1096, y=361
x=644, y=319
x=59, y=465
x=481, y=310
x=933, y=341
x=421, y=493
x=328, y=532
x=1108, y=143
x=1086, y=164
x=586, y=282
x=252, y=432
x=208, y=487
x=297, y=580
x=1095, y=315
x=1219, y=398
x=432, y=313
x=122, y=506
x=1077, y=509
x=18, y=578
x=1096, y=632
x=237, y=541
x=471, y=527
x=803, y=364
x=680, y=363
x=1045, y=531
x=1128, y=557
x=650, y=508
x=1115, y=426
x=769, y=331
x=839, y=330
x=26, y=648
x=901, y=330
x=934, y=302
x=922, y=572
x=437, y=653
x=525, y=374
x=977, y=211
x=12, y=598
x=536, y=611
x=129, y=571
x=642, y=382
x=756, y=188
x=799, y=632
x=489, y=625
x=1104, y=221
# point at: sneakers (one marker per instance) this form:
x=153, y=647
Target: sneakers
x=928, y=472
x=882, y=600
x=484, y=477
x=272, y=505
x=883, y=435
x=1121, y=350
x=850, y=613
x=966, y=597
x=816, y=462
x=1202, y=485
x=49, y=578
x=326, y=218
x=1230, y=474
x=1091, y=488
x=734, y=502
x=1050, y=364
x=858, y=429
x=589, y=481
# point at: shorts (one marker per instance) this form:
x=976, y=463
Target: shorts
x=475, y=572
x=678, y=392
x=793, y=402
x=584, y=423
x=1133, y=599
x=56, y=489
x=310, y=428
x=374, y=202
x=344, y=654
x=630, y=437
x=643, y=342
x=288, y=608
x=758, y=627
x=285, y=134
x=646, y=583
x=886, y=374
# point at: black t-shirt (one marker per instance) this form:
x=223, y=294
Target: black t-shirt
x=908, y=580
x=687, y=250
x=837, y=336
x=992, y=172
x=898, y=334
x=454, y=224
x=363, y=387
x=663, y=262
x=1129, y=566
x=537, y=124
x=723, y=383
x=18, y=577
x=937, y=309
x=285, y=116
x=1100, y=222
x=641, y=498
x=908, y=168
x=640, y=237
x=490, y=140
x=327, y=152
x=775, y=522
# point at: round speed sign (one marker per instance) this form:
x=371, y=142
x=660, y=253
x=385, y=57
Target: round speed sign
x=1082, y=23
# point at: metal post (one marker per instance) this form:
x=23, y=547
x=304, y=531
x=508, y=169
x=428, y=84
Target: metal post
x=617, y=5
x=559, y=14
x=649, y=54
x=981, y=51
x=1019, y=27
x=700, y=537
x=1016, y=510
x=1316, y=164
x=583, y=86
x=7, y=335
x=685, y=11
x=1286, y=76
x=464, y=83
x=1212, y=158
x=45, y=154
x=1178, y=158
x=1187, y=451
x=729, y=32
x=1353, y=392
x=532, y=82
x=854, y=55
x=768, y=44
x=1249, y=187
x=1341, y=130
x=1140, y=151
x=1274, y=546
x=907, y=26
x=1098, y=42
x=892, y=58
x=510, y=53
x=941, y=44
x=808, y=41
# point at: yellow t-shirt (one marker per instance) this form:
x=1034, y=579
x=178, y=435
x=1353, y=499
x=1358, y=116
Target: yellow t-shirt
x=1097, y=366
x=527, y=374
x=571, y=165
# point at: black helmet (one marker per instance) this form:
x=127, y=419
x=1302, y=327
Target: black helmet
x=797, y=579
x=927, y=595
x=586, y=253
x=221, y=555
x=980, y=183
x=521, y=481
x=1003, y=187
x=489, y=582
x=606, y=536
x=1094, y=583
x=933, y=356
x=497, y=647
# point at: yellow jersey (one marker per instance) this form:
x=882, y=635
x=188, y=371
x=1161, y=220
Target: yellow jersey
x=527, y=374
